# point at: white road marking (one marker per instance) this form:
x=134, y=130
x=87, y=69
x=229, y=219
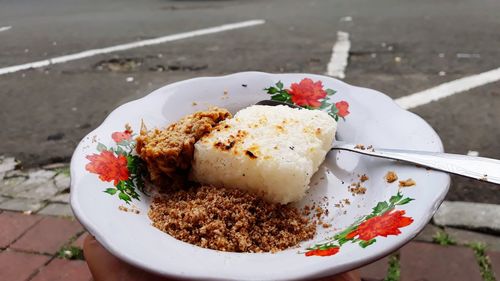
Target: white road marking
x=5, y=28
x=340, y=54
x=448, y=89
x=473, y=153
x=132, y=45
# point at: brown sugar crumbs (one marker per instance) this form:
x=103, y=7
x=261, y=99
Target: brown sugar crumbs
x=168, y=153
x=391, y=177
x=407, y=183
x=360, y=146
x=363, y=178
x=131, y=210
x=319, y=212
x=357, y=189
x=229, y=220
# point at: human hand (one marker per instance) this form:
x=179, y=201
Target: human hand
x=106, y=267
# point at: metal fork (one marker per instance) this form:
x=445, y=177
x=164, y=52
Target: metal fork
x=479, y=168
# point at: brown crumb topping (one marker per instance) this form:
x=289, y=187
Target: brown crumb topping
x=360, y=146
x=391, y=177
x=306, y=211
x=357, y=189
x=319, y=212
x=407, y=183
x=363, y=178
x=131, y=210
x=168, y=153
x=229, y=220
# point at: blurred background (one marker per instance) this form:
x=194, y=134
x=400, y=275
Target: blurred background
x=50, y=98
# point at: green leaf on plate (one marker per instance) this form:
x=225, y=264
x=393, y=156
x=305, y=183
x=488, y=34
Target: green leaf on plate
x=271, y=90
x=101, y=147
x=396, y=198
x=111, y=191
x=365, y=244
x=279, y=97
x=381, y=206
x=123, y=196
x=330, y=92
x=405, y=201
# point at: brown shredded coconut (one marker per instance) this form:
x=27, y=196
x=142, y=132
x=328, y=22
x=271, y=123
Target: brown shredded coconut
x=168, y=153
x=131, y=210
x=363, y=178
x=407, y=183
x=229, y=220
x=360, y=146
x=391, y=177
x=358, y=190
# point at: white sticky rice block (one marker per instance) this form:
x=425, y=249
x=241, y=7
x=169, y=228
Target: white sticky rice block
x=269, y=150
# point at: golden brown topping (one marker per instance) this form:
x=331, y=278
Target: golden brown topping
x=168, y=152
x=391, y=177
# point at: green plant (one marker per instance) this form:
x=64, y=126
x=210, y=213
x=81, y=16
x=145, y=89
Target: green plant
x=311, y=95
x=71, y=253
x=393, y=272
x=63, y=170
x=443, y=238
x=483, y=261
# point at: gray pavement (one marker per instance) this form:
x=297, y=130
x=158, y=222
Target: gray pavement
x=46, y=111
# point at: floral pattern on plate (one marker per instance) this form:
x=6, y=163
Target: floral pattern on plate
x=311, y=95
x=384, y=220
x=119, y=165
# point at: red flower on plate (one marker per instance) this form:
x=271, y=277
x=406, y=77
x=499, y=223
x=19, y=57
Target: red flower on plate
x=343, y=108
x=323, y=252
x=386, y=224
x=307, y=92
x=108, y=166
x=121, y=136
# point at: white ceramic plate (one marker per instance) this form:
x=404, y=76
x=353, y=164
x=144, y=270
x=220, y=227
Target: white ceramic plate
x=374, y=120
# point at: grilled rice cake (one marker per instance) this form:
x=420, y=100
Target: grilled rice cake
x=269, y=150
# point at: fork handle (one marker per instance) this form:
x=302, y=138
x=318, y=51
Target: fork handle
x=479, y=168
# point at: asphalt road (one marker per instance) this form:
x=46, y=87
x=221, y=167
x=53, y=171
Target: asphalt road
x=46, y=111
